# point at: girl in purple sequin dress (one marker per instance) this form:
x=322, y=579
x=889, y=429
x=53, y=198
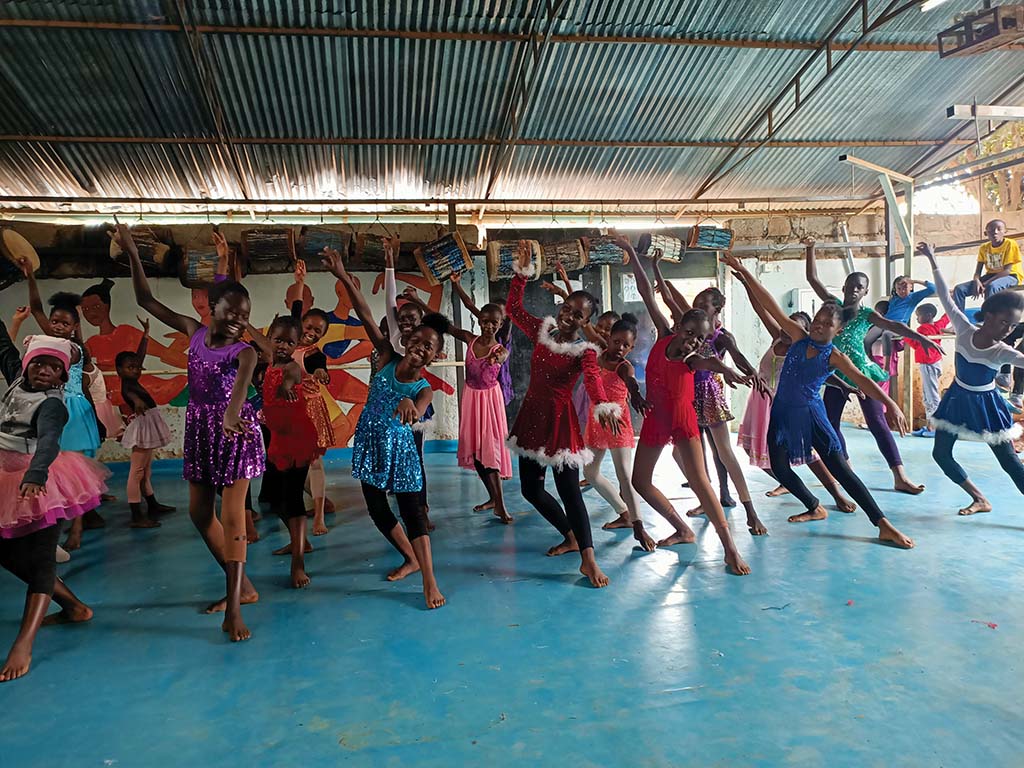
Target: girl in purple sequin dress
x=223, y=447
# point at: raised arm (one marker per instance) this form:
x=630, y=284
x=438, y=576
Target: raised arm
x=466, y=337
x=465, y=298
x=144, y=295
x=266, y=349
x=812, y=271
x=410, y=295
x=143, y=347
x=21, y=314
x=391, y=246
x=554, y=290
x=35, y=303
x=956, y=317
x=332, y=260
x=759, y=296
x=643, y=287
x=893, y=414
x=564, y=276
x=523, y=268
x=676, y=302
x=713, y=364
x=10, y=360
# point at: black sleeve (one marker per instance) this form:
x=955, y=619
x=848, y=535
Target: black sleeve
x=315, y=360
x=49, y=422
x=10, y=360
x=297, y=310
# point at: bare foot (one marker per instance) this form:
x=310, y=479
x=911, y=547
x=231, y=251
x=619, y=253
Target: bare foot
x=73, y=616
x=484, y=507
x=405, y=569
x=679, y=537
x=568, y=545
x=329, y=507
x=287, y=549
x=236, y=629
x=106, y=498
x=622, y=521
x=647, y=543
x=843, y=504
x=755, y=526
x=976, y=507
x=299, y=578
x=147, y=522
x=251, y=534
x=73, y=541
x=727, y=501
x=736, y=563
x=696, y=512
x=818, y=513
x=504, y=516
x=17, y=665
x=905, y=486
x=887, y=532
x=595, y=574
x=584, y=483
x=780, y=491
x=319, y=526
x=248, y=598
x=433, y=597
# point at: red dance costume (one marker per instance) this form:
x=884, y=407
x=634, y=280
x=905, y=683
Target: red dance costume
x=596, y=434
x=547, y=429
x=294, y=441
x=670, y=391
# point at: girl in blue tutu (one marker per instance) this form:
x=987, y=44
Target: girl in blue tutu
x=972, y=409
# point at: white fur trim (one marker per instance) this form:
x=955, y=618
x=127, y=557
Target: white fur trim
x=607, y=408
x=559, y=460
x=527, y=273
x=992, y=438
x=569, y=348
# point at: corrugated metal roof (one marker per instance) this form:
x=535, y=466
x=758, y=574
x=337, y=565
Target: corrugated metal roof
x=105, y=82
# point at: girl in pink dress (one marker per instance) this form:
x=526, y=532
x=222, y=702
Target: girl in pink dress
x=619, y=385
x=482, y=424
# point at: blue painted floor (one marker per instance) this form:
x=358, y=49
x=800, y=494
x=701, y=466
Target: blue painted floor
x=836, y=650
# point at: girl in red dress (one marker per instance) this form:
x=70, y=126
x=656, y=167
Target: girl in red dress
x=547, y=433
x=671, y=418
x=294, y=440
x=619, y=384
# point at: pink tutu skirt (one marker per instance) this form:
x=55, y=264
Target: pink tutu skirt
x=146, y=431
x=483, y=429
x=74, y=487
x=753, y=435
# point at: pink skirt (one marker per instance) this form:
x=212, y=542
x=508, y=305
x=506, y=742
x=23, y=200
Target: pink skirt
x=146, y=431
x=753, y=435
x=74, y=487
x=483, y=429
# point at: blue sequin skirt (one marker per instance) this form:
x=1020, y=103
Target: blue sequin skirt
x=384, y=454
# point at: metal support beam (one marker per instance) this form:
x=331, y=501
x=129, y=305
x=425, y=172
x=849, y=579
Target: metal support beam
x=876, y=168
x=844, y=231
x=982, y=112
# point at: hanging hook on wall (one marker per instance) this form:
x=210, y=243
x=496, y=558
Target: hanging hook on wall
x=321, y=213
x=657, y=216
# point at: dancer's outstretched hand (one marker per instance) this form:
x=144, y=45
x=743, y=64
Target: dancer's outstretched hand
x=333, y=262
x=406, y=411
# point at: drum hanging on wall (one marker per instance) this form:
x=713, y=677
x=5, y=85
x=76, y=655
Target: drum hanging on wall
x=603, y=250
x=153, y=253
x=710, y=238
x=501, y=255
x=15, y=249
x=198, y=268
x=369, y=255
x=312, y=241
x=443, y=258
x=672, y=248
x=269, y=250
x=571, y=254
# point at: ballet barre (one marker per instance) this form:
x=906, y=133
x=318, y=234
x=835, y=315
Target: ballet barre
x=343, y=367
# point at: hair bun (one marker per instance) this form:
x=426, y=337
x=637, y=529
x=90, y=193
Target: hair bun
x=437, y=321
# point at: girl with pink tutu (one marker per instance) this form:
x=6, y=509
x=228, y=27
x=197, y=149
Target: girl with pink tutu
x=223, y=446
x=40, y=485
x=482, y=424
x=619, y=385
x=146, y=432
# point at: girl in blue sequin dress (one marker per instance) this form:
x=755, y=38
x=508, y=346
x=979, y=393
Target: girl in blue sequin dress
x=799, y=424
x=384, y=456
x=223, y=447
x=971, y=408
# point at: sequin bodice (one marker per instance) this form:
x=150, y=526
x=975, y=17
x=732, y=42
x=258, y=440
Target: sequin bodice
x=850, y=341
x=479, y=373
x=708, y=350
x=802, y=377
x=73, y=388
x=211, y=372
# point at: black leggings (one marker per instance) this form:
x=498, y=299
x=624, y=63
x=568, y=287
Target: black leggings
x=33, y=559
x=417, y=435
x=942, y=452
x=567, y=483
x=834, y=461
x=720, y=470
x=285, y=489
x=409, y=508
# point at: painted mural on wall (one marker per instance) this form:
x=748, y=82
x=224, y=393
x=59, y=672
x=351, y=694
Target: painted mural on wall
x=110, y=325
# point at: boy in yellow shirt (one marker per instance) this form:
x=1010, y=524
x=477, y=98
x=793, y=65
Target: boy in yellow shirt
x=999, y=266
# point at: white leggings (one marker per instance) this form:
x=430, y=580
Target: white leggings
x=623, y=500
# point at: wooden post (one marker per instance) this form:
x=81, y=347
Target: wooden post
x=460, y=354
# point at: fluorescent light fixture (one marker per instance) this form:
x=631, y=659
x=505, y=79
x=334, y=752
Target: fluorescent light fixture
x=929, y=5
